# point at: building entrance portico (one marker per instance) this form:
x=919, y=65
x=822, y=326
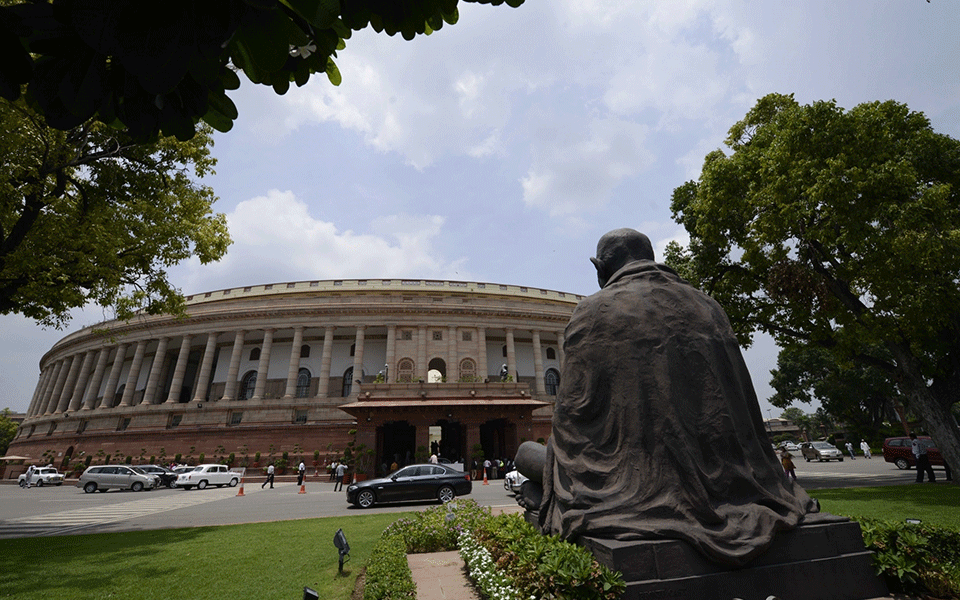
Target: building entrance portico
x=396, y=420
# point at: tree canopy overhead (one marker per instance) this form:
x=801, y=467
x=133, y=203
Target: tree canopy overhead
x=838, y=230
x=159, y=66
x=91, y=215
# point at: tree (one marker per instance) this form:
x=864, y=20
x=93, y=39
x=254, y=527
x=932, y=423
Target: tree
x=159, y=66
x=8, y=429
x=89, y=215
x=838, y=230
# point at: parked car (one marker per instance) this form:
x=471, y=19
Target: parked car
x=790, y=446
x=899, y=451
x=42, y=476
x=123, y=477
x=820, y=451
x=203, y=475
x=165, y=477
x=513, y=480
x=413, y=482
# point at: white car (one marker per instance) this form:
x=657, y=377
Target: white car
x=513, y=480
x=203, y=475
x=42, y=476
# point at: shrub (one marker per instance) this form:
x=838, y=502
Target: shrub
x=388, y=575
x=915, y=559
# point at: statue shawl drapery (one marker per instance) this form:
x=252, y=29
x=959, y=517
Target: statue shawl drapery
x=657, y=433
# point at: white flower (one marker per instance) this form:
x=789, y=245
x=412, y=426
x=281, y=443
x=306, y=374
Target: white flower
x=303, y=51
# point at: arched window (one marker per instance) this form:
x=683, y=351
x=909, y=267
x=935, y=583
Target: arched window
x=305, y=351
x=468, y=370
x=247, y=385
x=303, y=383
x=255, y=354
x=405, y=370
x=551, y=354
x=347, y=383
x=551, y=380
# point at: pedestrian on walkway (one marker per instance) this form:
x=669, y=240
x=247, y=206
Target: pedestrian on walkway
x=865, y=447
x=786, y=459
x=850, y=451
x=269, y=478
x=28, y=478
x=341, y=473
x=301, y=473
x=923, y=461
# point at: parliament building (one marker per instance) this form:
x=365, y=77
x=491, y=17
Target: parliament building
x=398, y=367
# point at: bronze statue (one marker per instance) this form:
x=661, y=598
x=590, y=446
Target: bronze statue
x=657, y=433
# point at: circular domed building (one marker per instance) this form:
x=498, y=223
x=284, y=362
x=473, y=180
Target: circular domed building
x=396, y=369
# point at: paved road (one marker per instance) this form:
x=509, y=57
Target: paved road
x=68, y=510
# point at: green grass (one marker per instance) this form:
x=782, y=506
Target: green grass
x=265, y=561
x=934, y=504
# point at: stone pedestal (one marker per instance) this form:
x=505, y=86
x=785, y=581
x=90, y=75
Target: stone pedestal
x=823, y=561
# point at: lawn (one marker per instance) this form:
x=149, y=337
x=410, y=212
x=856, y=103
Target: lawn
x=266, y=561
x=274, y=561
x=934, y=504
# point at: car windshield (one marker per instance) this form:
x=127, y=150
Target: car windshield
x=138, y=470
x=822, y=445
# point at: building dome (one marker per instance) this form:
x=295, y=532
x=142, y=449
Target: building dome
x=397, y=366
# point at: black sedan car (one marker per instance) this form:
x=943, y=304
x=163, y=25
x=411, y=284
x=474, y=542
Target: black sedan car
x=165, y=477
x=413, y=482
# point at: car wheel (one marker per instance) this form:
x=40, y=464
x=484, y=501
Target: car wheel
x=366, y=499
x=446, y=494
x=202, y=484
x=23, y=483
x=902, y=464
x=90, y=487
x=40, y=483
x=234, y=482
x=819, y=459
x=137, y=486
x=172, y=484
x=839, y=460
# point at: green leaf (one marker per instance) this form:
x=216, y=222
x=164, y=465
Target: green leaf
x=321, y=13
x=333, y=73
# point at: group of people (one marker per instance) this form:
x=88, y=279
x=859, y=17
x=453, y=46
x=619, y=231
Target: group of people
x=864, y=447
x=493, y=469
x=789, y=469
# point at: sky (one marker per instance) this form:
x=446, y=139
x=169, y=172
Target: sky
x=501, y=148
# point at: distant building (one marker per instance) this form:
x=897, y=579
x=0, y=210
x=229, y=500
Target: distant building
x=298, y=366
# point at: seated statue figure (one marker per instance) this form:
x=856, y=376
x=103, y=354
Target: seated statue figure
x=657, y=433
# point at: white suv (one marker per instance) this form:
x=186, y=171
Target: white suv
x=124, y=477
x=204, y=475
x=42, y=476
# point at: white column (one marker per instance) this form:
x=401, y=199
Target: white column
x=91, y=400
x=538, y=364
x=357, y=360
x=67, y=394
x=263, y=369
x=512, y=357
x=422, y=352
x=133, y=377
x=110, y=392
x=206, y=365
x=76, y=401
x=183, y=357
x=482, y=353
x=294, y=367
x=38, y=393
x=230, y=391
x=453, y=369
x=153, y=382
x=323, y=386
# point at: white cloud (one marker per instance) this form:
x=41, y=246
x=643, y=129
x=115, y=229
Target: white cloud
x=277, y=239
x=576, y=167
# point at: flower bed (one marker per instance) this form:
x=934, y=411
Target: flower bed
x=506, y=557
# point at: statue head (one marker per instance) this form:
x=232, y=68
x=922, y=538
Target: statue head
x=618, y=248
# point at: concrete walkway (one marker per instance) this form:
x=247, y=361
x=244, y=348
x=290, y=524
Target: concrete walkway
x=440, y=576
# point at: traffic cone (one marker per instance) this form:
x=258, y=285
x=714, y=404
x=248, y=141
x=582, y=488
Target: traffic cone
x=485, y=482
x=303, y=488
x=240, y=493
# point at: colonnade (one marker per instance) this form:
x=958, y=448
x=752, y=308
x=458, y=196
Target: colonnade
x=74, y=382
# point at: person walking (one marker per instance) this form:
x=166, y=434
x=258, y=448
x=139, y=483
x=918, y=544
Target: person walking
x=28, y=478
x=850, y=451
x=923, y=461
x=865, y=448
x=341, y=472
x=786, y=459
x=269, y=478
x=301, y=473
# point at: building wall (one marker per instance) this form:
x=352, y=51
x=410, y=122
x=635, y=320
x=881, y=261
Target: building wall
x=87, y=401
